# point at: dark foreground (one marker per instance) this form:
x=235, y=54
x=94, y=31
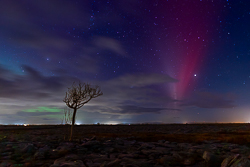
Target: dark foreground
x=197, y=145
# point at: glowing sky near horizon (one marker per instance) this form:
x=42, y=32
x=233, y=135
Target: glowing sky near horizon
x=155, y=61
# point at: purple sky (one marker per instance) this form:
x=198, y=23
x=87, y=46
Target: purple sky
x=158, y=61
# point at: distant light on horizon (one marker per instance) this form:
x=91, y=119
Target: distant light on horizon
x=112, y=123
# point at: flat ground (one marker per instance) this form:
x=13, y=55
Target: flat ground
x=190, y=133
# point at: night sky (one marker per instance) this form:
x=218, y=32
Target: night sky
x=156, y=61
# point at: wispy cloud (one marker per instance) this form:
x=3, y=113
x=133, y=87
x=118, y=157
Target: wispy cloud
x=130, y=109
x=105, y=43
x=60, y=46
x=211, y=100
x=31, y=85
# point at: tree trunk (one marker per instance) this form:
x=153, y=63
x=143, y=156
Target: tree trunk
x=72, y=125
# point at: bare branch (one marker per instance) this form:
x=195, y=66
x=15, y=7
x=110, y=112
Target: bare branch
x=79, y=95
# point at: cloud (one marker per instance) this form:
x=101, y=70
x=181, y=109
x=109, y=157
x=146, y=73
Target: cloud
x=50, y=119
x=119, y=110
x=130, y=89
x=142, y=79
x=109, y=44
x=36, y=114
x=31, y=85
x=20, y=29
x=211, y=100
x=135, y=89
x=130, y=109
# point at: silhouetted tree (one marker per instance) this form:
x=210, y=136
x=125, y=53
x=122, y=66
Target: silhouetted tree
x=77, y=96
x=67, y=120
x=68, y=115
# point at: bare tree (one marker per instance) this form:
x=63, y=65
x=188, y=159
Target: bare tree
x=79, y=95
x=67, y=120
x=68, y=115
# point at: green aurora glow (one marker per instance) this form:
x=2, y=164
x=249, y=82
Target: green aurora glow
x=43, y=109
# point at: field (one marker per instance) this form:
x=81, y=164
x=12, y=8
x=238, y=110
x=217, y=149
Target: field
x=185, y=133
x=148, y=145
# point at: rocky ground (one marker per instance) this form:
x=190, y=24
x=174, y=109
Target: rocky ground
x=123, y=146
